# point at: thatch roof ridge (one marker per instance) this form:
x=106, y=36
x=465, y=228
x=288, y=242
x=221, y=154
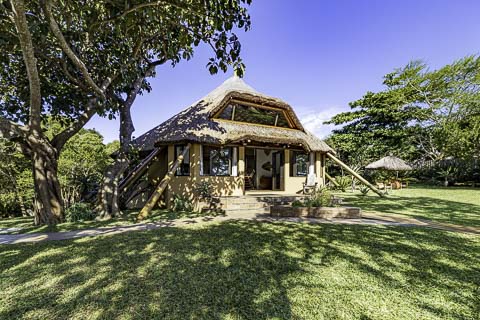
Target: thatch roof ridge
x=194, y=123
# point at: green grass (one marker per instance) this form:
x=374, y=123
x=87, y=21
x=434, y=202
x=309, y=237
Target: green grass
x=459, y=206
x=27, y=226
x=246, y=270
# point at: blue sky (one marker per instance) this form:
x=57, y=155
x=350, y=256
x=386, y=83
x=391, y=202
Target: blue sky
x=318, y=55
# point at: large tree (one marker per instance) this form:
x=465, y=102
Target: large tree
x=422, y=114
x=73, y=59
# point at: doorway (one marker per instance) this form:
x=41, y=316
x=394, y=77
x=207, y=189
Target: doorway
x=264, y=168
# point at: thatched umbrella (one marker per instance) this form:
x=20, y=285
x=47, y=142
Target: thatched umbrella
x=390, y=163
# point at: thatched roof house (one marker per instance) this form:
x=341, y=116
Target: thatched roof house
x=238, y=140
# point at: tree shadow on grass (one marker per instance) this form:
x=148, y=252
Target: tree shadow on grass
x=429, y=208
x=244, y=270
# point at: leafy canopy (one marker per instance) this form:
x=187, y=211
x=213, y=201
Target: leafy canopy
x=421, y=114
x=115, y=41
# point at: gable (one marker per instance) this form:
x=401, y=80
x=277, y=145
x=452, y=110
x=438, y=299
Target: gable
x=251, y=113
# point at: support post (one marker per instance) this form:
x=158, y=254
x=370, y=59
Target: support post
x=356, y=175
x=335, y=183
x=162, y=185
x=241, y=167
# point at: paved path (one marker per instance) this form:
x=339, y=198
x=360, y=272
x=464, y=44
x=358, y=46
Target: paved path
x=367, y=219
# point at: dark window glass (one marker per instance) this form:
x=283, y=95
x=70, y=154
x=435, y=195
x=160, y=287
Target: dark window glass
x=226, y=113
x=299, y=164
x=217, y=161
x=255, y=115
x=184, y=168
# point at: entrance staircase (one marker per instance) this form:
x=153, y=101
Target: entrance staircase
x=255, y=204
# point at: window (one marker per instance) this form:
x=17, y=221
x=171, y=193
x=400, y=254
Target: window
x=299, y=163
x=217, y=161
x=184, y=168
x=255, y=115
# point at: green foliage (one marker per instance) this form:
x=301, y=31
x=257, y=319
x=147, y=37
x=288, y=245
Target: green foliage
x=343, y=183
x=181, y=204
x=79, y=212
x=298, y=203
x=321, y=198
x=81, y=166
x=204, y=190
x=16, y=181
x=364, y=190
x=114, y=40
x=422, y=114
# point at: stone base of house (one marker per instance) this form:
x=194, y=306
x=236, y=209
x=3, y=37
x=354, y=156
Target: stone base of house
x=316, y=212
x=258, y=203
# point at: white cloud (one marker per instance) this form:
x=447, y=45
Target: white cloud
x=313, y=120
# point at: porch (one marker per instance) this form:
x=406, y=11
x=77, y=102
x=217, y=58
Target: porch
x=238, y=170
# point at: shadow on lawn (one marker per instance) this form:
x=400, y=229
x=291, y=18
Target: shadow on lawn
x=421, y=207
x=239, y=270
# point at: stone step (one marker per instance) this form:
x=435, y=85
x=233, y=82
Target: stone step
x=258, y=200
x=248, y=211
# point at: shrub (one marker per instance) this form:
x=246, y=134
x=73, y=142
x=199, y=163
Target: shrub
x=364, y=190
x=321, y=198
x=343, y=183
x=181, y=204
x=204, y=190
x=79, y=211
x=297, y=203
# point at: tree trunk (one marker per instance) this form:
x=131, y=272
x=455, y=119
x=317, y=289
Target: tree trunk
x=108, y=204
x=48, y=203
x=108, y=195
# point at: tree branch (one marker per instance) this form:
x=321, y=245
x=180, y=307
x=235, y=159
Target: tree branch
x=60, y=139
x=47, y=8
x=26, y=44
x=11, y=130
x=126, y=122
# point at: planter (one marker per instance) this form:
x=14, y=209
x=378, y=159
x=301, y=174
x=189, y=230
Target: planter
x=316, y=212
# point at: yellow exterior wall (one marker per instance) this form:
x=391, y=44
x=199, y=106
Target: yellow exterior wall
x=223, y=186
x=185, y=185
x=291, y=185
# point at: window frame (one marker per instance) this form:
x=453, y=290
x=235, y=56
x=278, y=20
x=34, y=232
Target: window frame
x=234, y=102
x=294, y=172
x=232, y=161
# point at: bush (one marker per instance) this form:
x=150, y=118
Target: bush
x=181, y=204
x=364, y=190
x=204, y=190
x=297, y=203
x=321, y=198
x=343, y=183
x=79, y=211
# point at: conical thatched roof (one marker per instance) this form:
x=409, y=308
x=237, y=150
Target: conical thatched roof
x=389, y=163
x=195, y=124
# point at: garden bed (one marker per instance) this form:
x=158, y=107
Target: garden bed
x=316, y=212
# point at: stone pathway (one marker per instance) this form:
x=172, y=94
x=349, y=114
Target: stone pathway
x=367, y=219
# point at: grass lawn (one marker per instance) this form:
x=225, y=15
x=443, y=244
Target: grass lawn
x=246, y=270
x=26, y=223
x=459, y=206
